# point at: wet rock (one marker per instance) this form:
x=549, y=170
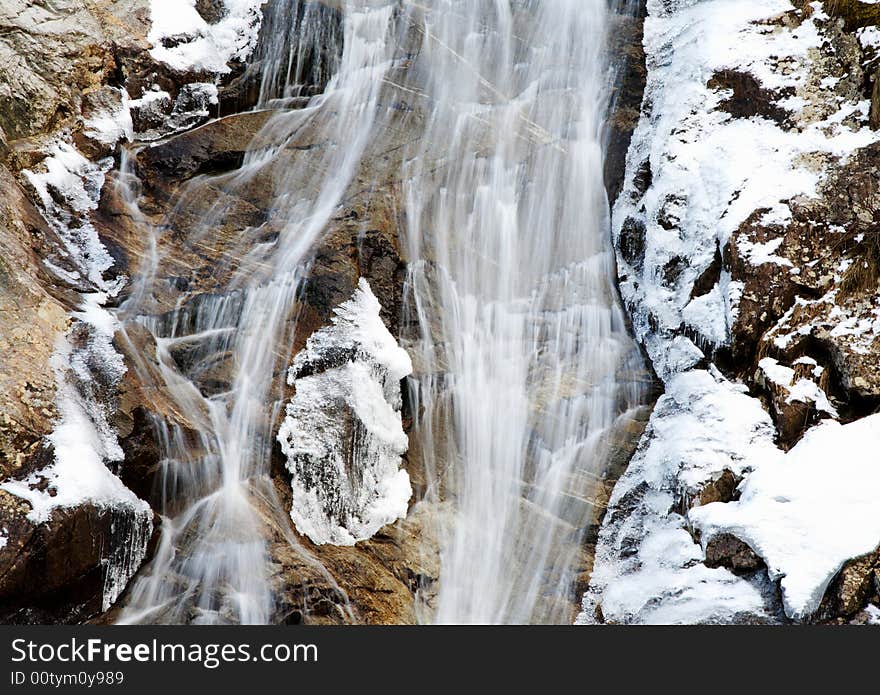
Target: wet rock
x=216, y=147
x=632, y=241
x=626, y=40
x=58, y=571
x=291, y=73
x=381, y=581
x=709, y=277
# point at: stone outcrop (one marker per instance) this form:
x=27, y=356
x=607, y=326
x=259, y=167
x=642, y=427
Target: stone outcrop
x=61, y=86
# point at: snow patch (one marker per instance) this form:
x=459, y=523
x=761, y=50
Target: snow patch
x=66, y=175
x=88, y=370
x=183, y=40
x=648, y=568
x=801, y=390
x=807, y=512
x=343, y=435
x=110, y=125
x=711, y=171
x=695, y=175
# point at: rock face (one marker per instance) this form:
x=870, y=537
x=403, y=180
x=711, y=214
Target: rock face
x=73, y=78
x=759, y=278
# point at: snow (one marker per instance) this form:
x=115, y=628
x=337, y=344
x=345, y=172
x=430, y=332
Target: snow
x=807, y=512
x=709, y=172
x=183, y=40
x=159, y=117
x=83, y=439
x=65, y=174
x=109, y=125
x=343, y=435
x=802, y=390
x=648, y=567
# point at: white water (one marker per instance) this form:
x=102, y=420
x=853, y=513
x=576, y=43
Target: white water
x=512, y=276
x=520, y=335
x=211, y=563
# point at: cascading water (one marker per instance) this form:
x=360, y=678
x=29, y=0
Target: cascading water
x=519, y=336
x=512, y=274
x=211, y=562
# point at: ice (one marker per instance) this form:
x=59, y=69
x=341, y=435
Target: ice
x=343, y=435
x=802, y=390
x=709, y=173
x=87, y=367
x=109, y=126
x=648, y=568
x=66, y=175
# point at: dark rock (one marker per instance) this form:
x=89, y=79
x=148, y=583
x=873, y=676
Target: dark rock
x=643, y=178
x=853, y=587
x=722, y=489
x=749, y=97
x=55, y=572
x=709, y=277
x=626, y=41
x=874, y=115
x=632, y=241
x=212, y=11
x=854, y=13
x=726, y=550
x=215, y=147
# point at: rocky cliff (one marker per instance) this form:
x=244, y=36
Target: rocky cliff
x=741, y=156
x=745, y=234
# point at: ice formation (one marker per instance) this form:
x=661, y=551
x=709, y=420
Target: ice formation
x=343, y=435
x=808, y=511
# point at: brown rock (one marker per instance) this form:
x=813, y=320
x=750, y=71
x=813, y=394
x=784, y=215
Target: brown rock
x=852, y=588
x=726, y=550
x=212, y=148
x=721, y=489
x=54, y=572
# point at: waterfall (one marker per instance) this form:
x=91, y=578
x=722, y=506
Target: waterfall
x=211, y=562
x=512, y=318
x=511, y=274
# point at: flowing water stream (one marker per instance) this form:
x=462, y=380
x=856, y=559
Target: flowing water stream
x=513, y=320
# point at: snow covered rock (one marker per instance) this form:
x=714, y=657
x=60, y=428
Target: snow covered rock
x=189, y=40
x=746, y=238
x=809, y=511
x=343, y=435
x=648, y=568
